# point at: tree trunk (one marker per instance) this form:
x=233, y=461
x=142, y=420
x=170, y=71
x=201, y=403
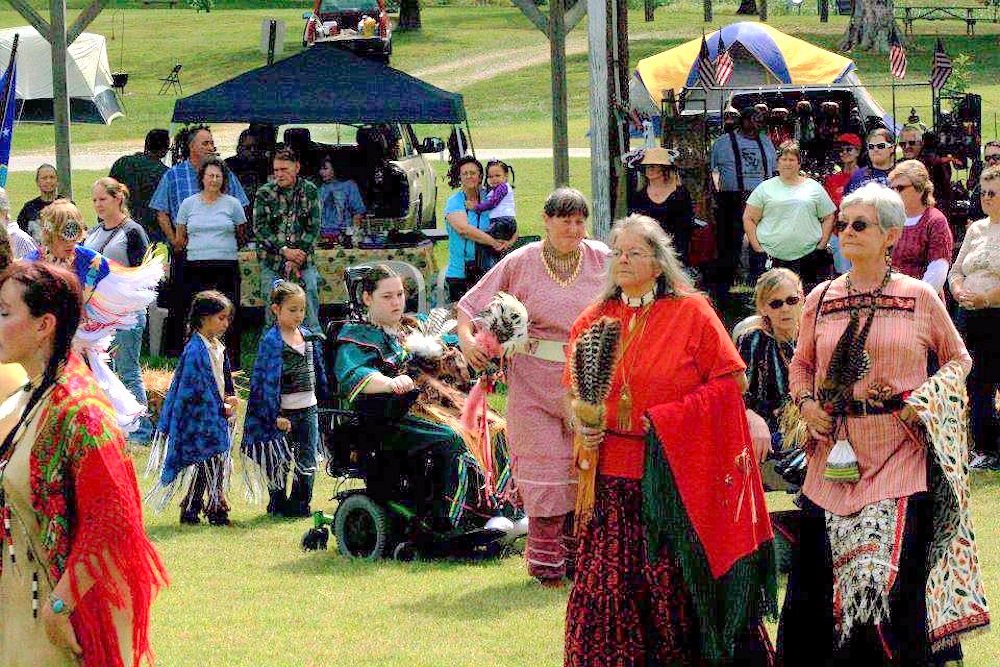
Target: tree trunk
x=871, y=26
x=409, y=15
x=747, y=7
x=649, y=7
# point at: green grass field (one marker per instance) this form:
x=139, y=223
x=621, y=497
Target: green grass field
x=246, y=595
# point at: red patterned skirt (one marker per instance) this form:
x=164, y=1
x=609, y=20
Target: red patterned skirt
x=624, y=612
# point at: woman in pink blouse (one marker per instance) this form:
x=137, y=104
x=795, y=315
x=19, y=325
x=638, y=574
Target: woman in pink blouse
x=856, y=591
x=555, y=279
x=924, y=249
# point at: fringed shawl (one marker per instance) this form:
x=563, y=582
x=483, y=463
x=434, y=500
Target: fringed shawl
x=703, y=498
x=85, y=493
x=193, y=426
x=264, y=447
x=956, y=602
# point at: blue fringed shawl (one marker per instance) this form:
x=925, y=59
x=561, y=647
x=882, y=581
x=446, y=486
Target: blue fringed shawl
x=264, y=447
x=193, y=427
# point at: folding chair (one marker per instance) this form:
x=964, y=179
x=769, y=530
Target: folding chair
x=172, y=81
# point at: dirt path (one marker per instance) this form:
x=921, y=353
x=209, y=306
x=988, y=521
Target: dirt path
x=451, y=76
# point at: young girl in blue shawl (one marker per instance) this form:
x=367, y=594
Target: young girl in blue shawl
x=282, y=422
x=194, y=433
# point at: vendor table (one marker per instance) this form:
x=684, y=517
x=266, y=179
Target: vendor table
x=331, y=264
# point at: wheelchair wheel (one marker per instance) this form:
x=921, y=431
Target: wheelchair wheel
x=362, y=528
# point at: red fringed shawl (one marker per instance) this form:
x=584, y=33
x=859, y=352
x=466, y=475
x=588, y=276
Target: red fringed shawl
x=84, y=490
x=706, y=440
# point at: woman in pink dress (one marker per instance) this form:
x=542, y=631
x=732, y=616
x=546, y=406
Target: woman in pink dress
x=555, y=279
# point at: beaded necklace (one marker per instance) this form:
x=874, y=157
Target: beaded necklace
x=563, y=268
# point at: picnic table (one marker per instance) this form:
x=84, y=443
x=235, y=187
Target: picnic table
x=988, y=12
x=330, y=264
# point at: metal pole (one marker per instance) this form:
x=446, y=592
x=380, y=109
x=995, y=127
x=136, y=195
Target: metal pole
x=600, y=170
x=60, y=97
x=271, y=37
x=560, y=132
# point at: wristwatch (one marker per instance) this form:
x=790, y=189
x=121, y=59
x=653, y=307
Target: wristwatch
x=58, y=605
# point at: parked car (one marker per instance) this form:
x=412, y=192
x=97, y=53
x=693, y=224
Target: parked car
x=398, y=183
x=360, y=25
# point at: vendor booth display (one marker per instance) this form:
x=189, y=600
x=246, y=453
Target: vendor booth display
x=331, y=264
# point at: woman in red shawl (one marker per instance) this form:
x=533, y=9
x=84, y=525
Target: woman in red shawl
x=675, y=564
x=77, y=572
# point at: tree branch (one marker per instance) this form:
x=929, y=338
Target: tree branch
x=574, y=14
x=36, y=21
x=83, y=20
x=530, y=10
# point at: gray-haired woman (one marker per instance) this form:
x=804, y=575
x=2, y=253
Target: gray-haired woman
x=555, y=279
x=655, y=574
x=873, y=582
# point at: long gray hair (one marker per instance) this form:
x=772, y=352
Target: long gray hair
x=674, y=280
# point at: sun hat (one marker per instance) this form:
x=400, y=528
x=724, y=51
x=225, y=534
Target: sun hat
x=657, y=155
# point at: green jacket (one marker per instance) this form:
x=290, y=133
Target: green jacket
x=285, y=217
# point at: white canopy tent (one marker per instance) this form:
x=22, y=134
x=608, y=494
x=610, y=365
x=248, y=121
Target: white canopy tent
x=88, y=77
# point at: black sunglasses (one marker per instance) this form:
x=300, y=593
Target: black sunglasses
x=910, y=143
x=992, y=158
x=857, y=225
x=793, y=300
x=879, y=146
x=902, y=187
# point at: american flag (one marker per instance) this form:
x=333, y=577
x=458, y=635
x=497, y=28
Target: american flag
x=706, y=68
x=897, y=57
x=941, y=67
x=723, y=64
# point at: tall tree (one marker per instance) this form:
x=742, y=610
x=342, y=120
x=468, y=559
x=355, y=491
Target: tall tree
x=409, y=15
x=747, y=7
x=871, y=26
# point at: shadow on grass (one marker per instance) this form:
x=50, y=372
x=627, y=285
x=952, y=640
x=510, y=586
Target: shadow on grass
x=482, y=603
x=163, y=532
x=331, y=562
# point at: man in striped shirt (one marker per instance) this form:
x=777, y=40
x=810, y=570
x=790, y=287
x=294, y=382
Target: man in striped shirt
x=21, y=242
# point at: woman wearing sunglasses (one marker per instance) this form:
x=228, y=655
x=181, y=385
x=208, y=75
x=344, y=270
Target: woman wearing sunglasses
x=788, y=220
x=766, y=342
x=885, y=572
x=975, y=284
x=924, y=249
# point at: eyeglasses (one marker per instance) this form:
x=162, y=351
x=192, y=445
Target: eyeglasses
x=988, y=194
x=793, y=300
x=993, y=157
x=631, y=255
x=879, y=146
x=857, y=225
x=916, y=142
x=902, y=187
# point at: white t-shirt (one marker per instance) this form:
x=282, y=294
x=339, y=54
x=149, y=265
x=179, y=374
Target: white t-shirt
x=211, y=228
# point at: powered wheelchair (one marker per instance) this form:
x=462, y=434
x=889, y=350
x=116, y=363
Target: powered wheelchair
x=392, y=494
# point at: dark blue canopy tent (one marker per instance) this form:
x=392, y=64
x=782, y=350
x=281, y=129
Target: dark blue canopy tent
x=322, y=84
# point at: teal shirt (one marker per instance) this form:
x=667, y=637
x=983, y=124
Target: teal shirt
x=789, y=226
x=362, y=350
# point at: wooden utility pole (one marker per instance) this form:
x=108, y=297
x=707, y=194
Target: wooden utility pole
x=59, y=38
x=600, y=171
x=555, y=27
x=618, y=101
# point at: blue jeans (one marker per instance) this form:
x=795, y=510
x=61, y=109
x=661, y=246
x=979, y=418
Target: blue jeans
x=310, y=282
x=304, y=441
x=127, y=346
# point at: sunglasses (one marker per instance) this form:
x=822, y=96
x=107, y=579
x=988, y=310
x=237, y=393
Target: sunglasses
x=901, y=188
x=910, y=143
x=879, y=146
x=793, y=300
x=857, y=225
x=992, y=158
x=988, y=194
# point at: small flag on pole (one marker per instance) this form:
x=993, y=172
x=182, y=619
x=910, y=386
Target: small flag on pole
x=8, y=103
x=941, y=68
x=706, y=68
x=723, y=64
x=897, y=57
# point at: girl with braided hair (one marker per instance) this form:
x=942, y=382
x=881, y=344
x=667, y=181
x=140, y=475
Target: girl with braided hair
x=77, y=572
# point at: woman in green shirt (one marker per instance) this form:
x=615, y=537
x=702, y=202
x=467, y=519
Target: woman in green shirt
x=788, y=220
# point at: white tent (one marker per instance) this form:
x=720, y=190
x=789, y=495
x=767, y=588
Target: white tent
x=88, y=77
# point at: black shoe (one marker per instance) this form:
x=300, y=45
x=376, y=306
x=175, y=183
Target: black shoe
x=190, y=519
x=220, y=519
x=277, y=504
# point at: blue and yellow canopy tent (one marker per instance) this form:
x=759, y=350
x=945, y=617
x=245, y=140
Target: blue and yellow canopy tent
x=762, y=57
